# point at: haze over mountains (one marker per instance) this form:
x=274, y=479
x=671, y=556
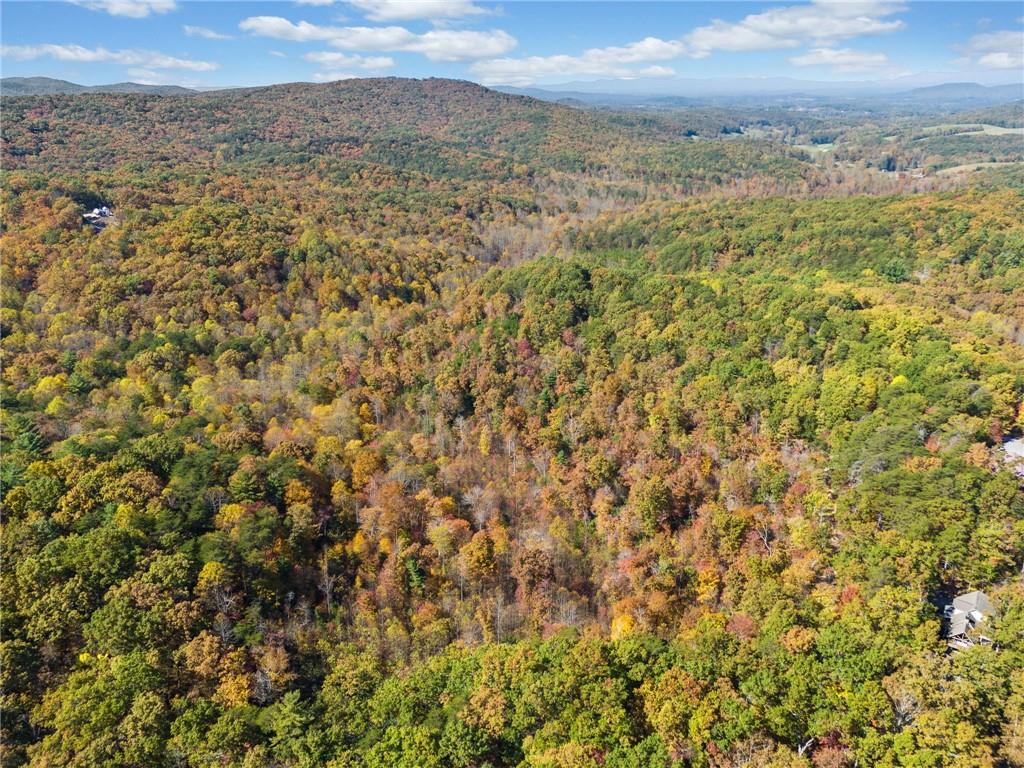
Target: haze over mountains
x=776, y=91
x=749, y=85
x=660, y=92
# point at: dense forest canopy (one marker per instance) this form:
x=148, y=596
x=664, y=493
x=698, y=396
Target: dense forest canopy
x=405, y=423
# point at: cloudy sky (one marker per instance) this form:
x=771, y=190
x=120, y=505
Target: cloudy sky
x=233, y=42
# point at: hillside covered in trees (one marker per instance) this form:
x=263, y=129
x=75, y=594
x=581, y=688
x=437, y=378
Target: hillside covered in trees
x=395, y=423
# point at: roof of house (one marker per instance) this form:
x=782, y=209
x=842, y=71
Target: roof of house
x=969, y=610
x=958, y=624
x=1014, y=448
x=973, y=601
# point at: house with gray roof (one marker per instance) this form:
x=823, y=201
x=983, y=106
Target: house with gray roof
x=964, y=618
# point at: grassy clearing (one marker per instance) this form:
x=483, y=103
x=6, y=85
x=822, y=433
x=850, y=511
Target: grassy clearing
x=812, y=148
x=966, y=167
x=983, y=129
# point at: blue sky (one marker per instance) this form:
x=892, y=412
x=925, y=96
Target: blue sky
x=234, y=43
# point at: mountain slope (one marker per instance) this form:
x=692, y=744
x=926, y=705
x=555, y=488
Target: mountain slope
x=48, y=86
x=402, y=424
x=37, y=86
x=444, y=128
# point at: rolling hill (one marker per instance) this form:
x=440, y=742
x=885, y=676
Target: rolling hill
x=443, y=127
x=407, y=424
x=48, y=86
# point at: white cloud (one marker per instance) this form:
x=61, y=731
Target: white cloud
x=1001, y=60
x=843, y=60
x=436, y=45
x=613, y=61
x=314, y=2
x=332, y=60
x=795, y=25
x=332, y=77
x=816, y=23
x=648, y=49
x=135, y=9
x=403, y=10
x=209, y=34
x=282, y=29
x=462, y=45
x=279, y=54
x=339, y=66
x=152, y=77
x=130, y=56
x=996, y=50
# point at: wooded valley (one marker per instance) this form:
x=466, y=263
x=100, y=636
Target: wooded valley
x=401, y=424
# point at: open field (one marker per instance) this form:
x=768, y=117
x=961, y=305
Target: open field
x=983, y=129
x=972, y=167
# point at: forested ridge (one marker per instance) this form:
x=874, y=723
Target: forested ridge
x=439, y=127
x=405, y=423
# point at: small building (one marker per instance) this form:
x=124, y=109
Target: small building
x=102, y=212
x=1013, y=455
x=964, y=618
x=99, y=217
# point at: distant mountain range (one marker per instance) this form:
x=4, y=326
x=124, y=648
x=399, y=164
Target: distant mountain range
x=775, y=91
x=709, y=86
x=906, y=93
x=46, y=86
